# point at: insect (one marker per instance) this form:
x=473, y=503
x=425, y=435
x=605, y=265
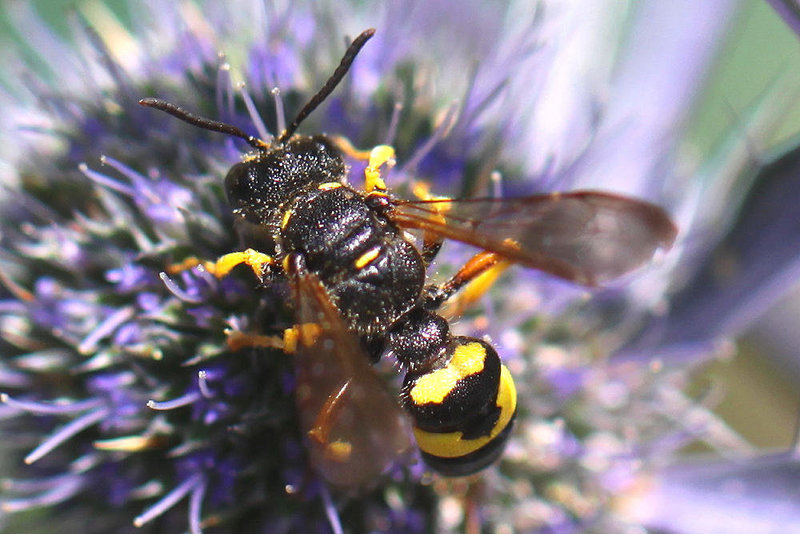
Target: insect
x=359, y=290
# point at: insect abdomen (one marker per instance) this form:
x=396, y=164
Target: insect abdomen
x=463, y=408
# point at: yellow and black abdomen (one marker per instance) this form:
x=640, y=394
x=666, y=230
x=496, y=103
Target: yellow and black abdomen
x=463, y=407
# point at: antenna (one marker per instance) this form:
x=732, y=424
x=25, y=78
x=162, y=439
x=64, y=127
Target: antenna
x=217, y=126
x=202, y=122
x=347, y=60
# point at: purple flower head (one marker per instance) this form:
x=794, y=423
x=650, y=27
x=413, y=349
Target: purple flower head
x=126, y=405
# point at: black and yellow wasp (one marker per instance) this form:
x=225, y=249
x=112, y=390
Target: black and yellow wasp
x=359, y=290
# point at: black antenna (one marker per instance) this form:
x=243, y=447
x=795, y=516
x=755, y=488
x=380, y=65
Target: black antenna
x=347, y=60
x=201, y=122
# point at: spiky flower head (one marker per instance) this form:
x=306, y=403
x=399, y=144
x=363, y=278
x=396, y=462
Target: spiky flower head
x=124, y=400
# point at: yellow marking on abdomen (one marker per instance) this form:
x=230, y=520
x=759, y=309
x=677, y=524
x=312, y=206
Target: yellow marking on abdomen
x=467, y=360
x=453, y=444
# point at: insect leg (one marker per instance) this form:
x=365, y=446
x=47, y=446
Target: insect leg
x=337, y=450
x=301, y=334
x=346, y=147
x=379, y=156
x=431, y=242
x=257, y=261
x=238, y=340
x=475, y=277
x=305, y=334
x=376, y=158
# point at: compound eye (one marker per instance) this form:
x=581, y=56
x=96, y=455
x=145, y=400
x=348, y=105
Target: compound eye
x=239, y=185
x=252, y=191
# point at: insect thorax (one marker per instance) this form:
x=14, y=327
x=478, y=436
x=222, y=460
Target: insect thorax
x=371, y=272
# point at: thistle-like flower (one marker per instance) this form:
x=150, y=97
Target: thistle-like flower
x=124, y=402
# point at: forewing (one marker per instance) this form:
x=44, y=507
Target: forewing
x=586, y=237
x=355, y=429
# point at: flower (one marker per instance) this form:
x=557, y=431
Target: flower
x=126, y=404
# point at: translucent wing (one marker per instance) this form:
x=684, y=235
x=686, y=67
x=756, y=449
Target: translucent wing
x=355, y=429
x=586, y=237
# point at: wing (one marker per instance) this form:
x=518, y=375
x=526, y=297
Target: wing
x=355, y=429
x=585, y=237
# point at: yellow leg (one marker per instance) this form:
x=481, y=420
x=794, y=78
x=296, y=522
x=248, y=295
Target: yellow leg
x=347, y=148
x=474, y=290
x=376, y=158
x=306, y=334
x=431, y=242
x=474, y=279
x=238, y=340
x=257, y=261
x=379, y=156
x=302, y=334
x=422, y=190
